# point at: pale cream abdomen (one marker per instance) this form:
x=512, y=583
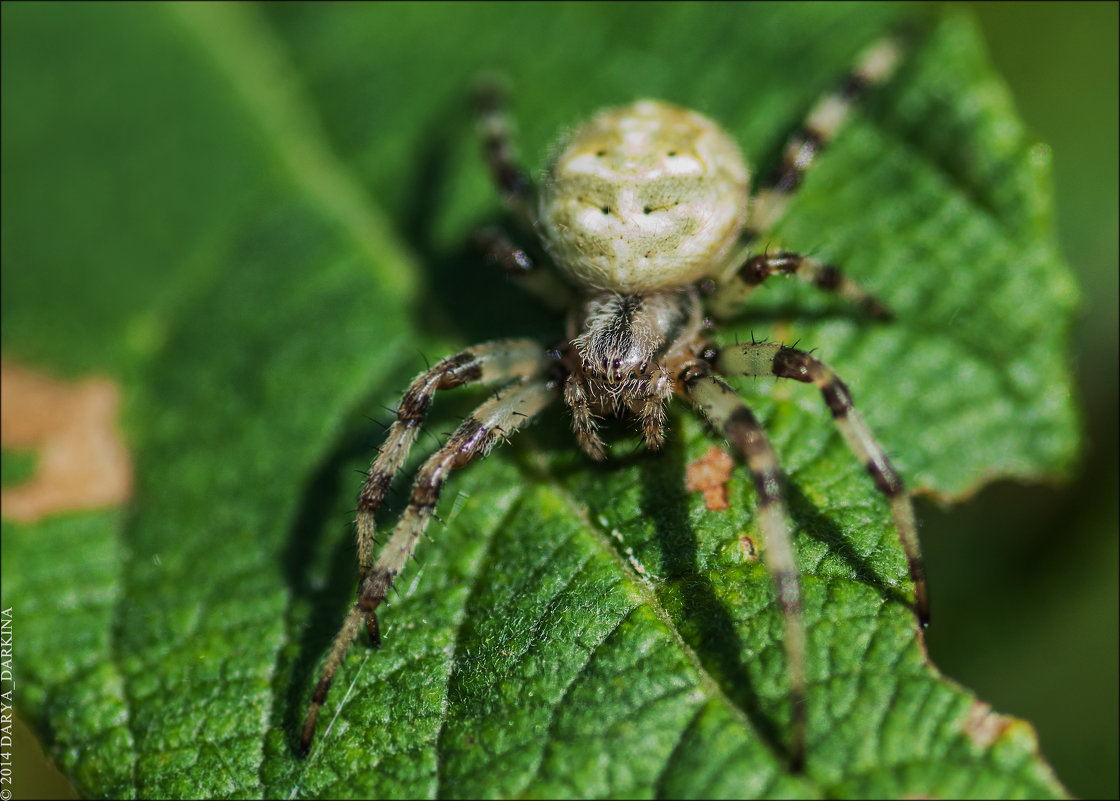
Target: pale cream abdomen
x=644, y=197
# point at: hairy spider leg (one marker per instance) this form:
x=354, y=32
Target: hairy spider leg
x=486, y=363
x=729, y=415
x=652, y=409
x=497, y=418
x=764, y=359
x=584, y=423
x=514, y=261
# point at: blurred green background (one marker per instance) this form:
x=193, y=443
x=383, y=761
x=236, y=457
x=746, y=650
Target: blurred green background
x=1024, y=578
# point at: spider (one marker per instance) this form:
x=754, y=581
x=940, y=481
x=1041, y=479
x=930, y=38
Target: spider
x=647, y=215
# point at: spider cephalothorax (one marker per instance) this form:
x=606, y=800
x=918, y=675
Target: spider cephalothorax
x=646, y=213
x=626, y=357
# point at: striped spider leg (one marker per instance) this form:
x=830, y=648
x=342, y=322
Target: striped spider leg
x=745, y=271
x=519, y=194
x=519, y=361
x=730, y=416
x=771, y=359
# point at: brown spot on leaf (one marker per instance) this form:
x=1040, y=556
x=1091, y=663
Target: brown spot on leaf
x=750, y=550
x=709, y=474
x=82, y=462
x=983, y=726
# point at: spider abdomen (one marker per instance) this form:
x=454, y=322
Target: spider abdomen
x=644, y=197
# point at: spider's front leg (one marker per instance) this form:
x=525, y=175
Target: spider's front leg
x=729, y=415
x=651, y=409
x=499, y=417
x=494, y=361
x=584, y=423
x=763, y=359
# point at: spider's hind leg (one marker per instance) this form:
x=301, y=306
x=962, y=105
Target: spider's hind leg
x=765, y=358
x=518, y=195
x=496, y=132
x=741, y=272
x=519, y=266
x=874, y=66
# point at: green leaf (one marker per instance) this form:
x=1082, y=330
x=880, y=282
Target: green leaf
x=254, y=219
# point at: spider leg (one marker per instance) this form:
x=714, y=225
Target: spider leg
x=874, y=66
x=735, y=288
x=764, y=358
x=742, y=272
x=651, y=410
x=583, y=421
x=518, y=195
x=518, y=265
x=486, y=363
x=495, y=419
x=514, y=261
x=496, y=131
x=728, y=414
